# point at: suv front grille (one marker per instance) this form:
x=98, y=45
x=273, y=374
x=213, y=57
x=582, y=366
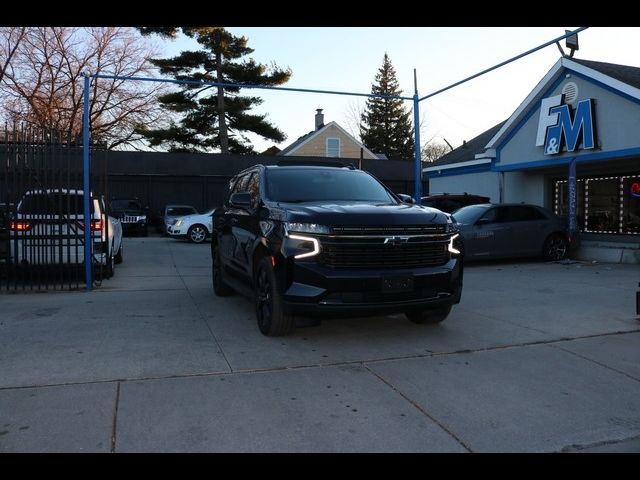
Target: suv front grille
x=404, y=248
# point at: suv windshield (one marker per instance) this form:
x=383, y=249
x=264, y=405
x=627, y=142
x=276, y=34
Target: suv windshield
x=53, y=204
x=315, y=184
x=120, y=205
x=181, y=211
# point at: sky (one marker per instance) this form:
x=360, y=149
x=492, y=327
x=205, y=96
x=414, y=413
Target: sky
x=348, y=58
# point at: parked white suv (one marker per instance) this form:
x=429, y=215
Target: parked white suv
x=196, y=228
x=48, y=229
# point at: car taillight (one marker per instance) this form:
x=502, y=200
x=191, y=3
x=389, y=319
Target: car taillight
x=21, y=226
x=96, y=225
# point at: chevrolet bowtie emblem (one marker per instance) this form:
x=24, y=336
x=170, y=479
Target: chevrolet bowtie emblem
x=396, y=240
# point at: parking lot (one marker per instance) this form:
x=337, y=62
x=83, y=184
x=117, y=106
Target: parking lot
x=538, y=357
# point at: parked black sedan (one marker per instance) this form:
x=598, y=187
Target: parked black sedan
x=511, y=230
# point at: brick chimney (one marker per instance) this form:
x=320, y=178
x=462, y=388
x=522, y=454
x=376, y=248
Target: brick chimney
x=319, y=119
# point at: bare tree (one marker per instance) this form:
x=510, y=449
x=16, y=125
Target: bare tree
x=10, y=38
x=44, y=85
x=352, y=115
x=433, y=150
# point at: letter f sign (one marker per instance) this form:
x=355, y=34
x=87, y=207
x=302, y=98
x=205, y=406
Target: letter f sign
x=547, y=119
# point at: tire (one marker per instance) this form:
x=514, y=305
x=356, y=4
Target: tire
x=220, y=288
x=555, y=247
x=110, y=267
x=197, y=233
x=272, y=320
x=434, y=315
x=118, y=258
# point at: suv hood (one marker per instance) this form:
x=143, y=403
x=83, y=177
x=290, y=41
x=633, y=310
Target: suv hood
x=349, y=214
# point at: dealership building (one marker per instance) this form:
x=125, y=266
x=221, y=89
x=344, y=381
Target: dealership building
x=584, y=113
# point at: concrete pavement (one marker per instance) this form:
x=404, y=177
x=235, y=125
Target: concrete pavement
x=538, y=357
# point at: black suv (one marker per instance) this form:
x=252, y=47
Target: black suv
x=131, y=214
x=316, y=239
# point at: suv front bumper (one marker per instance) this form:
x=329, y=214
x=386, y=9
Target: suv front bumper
x=315, y=289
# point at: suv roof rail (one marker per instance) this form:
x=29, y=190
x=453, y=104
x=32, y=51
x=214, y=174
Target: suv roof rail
x=315, y=163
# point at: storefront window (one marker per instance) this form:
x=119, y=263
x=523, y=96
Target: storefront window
x=630, y=221
x=603, y=204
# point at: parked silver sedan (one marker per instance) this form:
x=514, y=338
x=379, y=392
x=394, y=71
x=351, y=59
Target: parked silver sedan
x=511, y=230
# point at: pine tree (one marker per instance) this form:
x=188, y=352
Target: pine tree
x=385, y=125
x=213, y=117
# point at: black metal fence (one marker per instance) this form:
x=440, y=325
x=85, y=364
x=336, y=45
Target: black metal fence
x=41, y=210
x=201, y=180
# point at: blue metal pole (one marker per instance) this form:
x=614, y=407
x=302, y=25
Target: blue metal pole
x=416, y=132
x=512, y=59
x=86, y=188
x=248, y=85
x=418, y=163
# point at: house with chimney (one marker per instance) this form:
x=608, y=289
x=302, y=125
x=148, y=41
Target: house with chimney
x=328, y=140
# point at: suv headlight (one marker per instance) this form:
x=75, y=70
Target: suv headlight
x=454, y=244
x=301, y=246
x=306, y=228
x=452, y=227
x=177, y=223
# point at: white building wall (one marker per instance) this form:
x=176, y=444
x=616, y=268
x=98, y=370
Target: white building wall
x=524, y=187
x=482, y=183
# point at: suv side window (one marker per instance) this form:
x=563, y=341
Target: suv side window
x=522, y=214
x=253, y=187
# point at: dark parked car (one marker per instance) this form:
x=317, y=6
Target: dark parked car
x=315, y=240
x=131, y=214
x=450, y=202
x=511, y=230
x=170, y=213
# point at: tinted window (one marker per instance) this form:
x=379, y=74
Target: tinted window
x=179, y=211
x=308, y=185
x=125, y=205
x=52, y=204
x=468, y=215
x=253, y=187
x=520, y=214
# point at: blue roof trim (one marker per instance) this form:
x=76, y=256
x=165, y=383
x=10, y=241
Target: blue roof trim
x=485, y=167
x=554, y=162
x=605, y=86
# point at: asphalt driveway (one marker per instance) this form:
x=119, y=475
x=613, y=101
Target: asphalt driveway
x=538, y=357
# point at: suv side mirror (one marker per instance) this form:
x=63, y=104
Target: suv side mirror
x=240, y=200
x=406, y=198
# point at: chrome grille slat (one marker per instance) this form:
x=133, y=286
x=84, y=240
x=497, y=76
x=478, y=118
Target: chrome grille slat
x=364, y=247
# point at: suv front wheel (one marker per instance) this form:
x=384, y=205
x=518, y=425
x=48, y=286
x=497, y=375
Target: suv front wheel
x=272, y=320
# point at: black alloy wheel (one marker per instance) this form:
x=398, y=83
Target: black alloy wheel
x=272, y=320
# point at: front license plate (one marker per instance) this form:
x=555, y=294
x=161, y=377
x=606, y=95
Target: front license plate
x=399, y=283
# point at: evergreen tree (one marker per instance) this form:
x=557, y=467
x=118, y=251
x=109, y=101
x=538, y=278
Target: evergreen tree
x=213, y=117
x=385, y=125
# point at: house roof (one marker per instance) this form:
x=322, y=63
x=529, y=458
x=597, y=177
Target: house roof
x=625, y=73
x=468, y=150
x=305, y=138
